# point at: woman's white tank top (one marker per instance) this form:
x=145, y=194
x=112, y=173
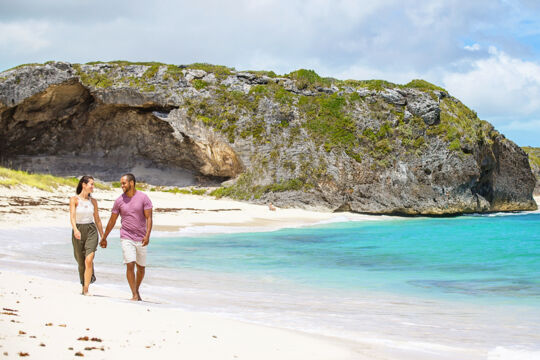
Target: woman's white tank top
x=84, y=212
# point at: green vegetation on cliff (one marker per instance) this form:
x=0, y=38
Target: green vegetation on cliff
x=534, y=161
x=244, y=190
x=534, y=155
x=9, y=177
x=422, y=85
x=308, y=78
x=95, y=79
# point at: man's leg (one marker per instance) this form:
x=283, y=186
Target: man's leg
x=130, y=275
x=141, y=265
x=140, y=277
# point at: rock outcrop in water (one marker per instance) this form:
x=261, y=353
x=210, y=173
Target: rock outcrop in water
x=296, y=140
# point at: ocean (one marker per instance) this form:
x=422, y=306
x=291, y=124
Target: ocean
x=437, y=288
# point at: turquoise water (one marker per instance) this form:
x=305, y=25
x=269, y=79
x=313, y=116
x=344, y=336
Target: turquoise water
x=430, y=288
x=480, y=258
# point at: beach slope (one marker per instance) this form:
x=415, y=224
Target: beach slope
x=49, y=319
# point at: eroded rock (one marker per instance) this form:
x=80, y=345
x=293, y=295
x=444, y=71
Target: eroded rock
x=330, y=146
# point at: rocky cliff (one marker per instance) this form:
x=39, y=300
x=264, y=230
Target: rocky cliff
x=295, y=140
x=534, y=161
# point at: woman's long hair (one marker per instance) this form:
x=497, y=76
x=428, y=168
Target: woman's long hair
x=85, y=180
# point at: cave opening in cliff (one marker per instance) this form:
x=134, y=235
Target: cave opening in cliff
x=65, y=131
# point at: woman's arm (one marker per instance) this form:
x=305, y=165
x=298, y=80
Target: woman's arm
x=72, y=217
x=97, y=220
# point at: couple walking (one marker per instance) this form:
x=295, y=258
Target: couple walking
x=135, y=209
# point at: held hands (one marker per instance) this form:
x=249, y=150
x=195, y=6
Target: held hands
x=103, y=243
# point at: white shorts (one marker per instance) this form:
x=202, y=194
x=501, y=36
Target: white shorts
x=133, y=251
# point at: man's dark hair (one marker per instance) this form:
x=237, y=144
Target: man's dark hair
x=130, y=177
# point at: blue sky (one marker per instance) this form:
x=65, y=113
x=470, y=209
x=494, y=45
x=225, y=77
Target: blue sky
x=486, y=53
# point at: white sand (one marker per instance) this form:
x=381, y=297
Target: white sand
x=52, y=313
x=171, y=211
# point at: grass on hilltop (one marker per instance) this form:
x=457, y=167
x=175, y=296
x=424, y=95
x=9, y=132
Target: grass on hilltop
x=9, y=178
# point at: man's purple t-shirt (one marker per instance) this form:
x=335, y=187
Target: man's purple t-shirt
x=131, y=209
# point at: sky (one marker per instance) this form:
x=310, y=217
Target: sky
x=484, y=52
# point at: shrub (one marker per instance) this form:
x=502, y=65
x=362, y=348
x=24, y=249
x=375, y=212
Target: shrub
x=378, y=85
x=94, y=78
x=218, y=70
x=199, y=84
x=198, y=191
x=308, y=78
x=422, y=85
x=455, y=145
x=174, y=72
x=151, y=72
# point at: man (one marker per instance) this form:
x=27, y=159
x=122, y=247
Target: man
x=135, y=209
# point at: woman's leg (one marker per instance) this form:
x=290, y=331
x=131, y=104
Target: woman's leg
x=88, y=271
x=90, y=246
x=78, y=253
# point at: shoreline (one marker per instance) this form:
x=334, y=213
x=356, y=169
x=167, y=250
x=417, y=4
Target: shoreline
x=23, y=206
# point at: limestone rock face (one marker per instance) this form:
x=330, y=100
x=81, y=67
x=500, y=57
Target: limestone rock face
x=534, y=161
x=293, y=140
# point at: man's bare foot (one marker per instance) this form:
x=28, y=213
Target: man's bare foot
x=139, y=296
x=135, y=298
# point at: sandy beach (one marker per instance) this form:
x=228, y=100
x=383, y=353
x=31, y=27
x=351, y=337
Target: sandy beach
x=47, y=318
x=44, y=316
x=25, y=206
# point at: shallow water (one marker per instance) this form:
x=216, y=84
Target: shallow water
x=466, y=287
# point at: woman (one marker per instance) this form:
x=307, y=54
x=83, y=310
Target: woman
x=84, y=216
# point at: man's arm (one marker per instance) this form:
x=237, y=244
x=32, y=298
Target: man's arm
x=110, y=226
x=148, y=216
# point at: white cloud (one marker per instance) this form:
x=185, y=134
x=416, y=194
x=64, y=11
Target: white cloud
x=499, y=85
x=473, y=47
x=24, y=37
x=504, y=90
